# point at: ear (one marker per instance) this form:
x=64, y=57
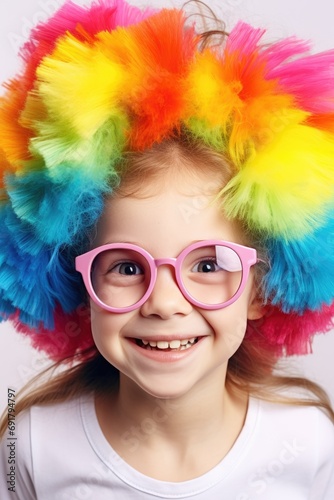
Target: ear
x=256, y=308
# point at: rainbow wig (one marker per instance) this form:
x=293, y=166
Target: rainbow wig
x=104, y=80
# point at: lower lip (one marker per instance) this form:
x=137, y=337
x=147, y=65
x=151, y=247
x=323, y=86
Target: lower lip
x=165, y=356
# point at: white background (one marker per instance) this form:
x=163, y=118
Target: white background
x=305, y=18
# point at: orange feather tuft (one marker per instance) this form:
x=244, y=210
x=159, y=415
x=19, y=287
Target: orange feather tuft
x=14, y=138
x=156, y=56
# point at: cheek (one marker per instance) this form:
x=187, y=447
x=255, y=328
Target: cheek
x=229, y=326
x=106, y=328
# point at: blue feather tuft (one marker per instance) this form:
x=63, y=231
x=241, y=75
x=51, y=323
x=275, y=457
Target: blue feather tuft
x=35, y=278
x=58, y=211
x=22, y=234
x=302, y=272
x=6, y=309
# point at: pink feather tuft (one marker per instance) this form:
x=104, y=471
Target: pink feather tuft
x=244, y=39
x=304, y=78
x=103, y=15
x=71, y=335
x=284, y=51
x=310, y=80
x=126, y=14
x=291, y=333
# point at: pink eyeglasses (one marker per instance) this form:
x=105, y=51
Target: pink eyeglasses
x=211, y=274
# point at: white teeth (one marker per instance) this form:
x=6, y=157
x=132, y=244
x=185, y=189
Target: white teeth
x=162, y=344
x=183, y=347
x=173, y=344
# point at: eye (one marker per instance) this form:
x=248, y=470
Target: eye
x=127, y=269
x=206, y=266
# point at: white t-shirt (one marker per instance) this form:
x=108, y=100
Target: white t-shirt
x=282, y=453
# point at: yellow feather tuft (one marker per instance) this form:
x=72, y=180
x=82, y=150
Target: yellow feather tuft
x=286, y=188
x=212, y=100
x=79, y=84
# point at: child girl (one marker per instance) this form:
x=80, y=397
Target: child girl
x=166, y=236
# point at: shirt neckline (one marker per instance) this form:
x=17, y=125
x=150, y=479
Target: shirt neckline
x=162, y=489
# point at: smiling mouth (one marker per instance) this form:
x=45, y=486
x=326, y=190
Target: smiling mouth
x=164, y=345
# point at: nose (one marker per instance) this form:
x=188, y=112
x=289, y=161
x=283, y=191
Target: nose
x=166, y=298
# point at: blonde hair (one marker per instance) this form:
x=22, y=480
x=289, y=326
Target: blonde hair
x=251, y=370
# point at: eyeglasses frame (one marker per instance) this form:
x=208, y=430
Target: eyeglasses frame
x=83, y=264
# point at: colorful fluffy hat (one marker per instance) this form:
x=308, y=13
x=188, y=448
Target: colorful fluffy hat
x=109, y=78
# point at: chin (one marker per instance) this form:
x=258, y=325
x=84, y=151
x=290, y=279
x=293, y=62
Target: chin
x=164, y=389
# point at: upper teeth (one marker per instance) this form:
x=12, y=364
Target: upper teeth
x=173, y=344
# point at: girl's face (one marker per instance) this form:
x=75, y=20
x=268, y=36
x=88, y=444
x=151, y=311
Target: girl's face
x=164, y=224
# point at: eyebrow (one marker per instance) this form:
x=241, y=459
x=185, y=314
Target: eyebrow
x=122, y=241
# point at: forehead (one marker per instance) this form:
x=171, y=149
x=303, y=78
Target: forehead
x=190, y=167
x=168, y=219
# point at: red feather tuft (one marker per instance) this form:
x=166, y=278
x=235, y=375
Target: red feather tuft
x=292, y=334
x=166, y=50
x=322, y=121
x=71, y=335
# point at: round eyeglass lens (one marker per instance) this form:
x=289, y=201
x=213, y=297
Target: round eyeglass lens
x=120, y=277
x=212, y=274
